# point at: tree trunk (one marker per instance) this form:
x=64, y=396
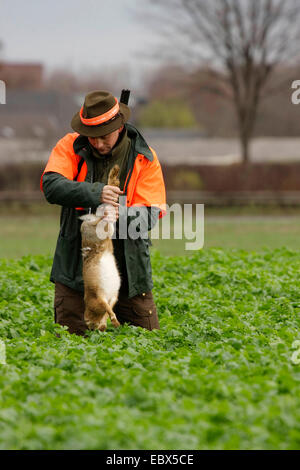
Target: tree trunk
x=246, y=167
x=246, y=127
x=245, y=141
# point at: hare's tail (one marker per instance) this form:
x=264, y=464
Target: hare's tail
x=113, y=177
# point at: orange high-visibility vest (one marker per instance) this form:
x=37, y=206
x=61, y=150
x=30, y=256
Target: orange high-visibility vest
x=145, y=187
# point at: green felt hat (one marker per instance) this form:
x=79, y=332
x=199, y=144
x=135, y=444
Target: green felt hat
x=100, y=114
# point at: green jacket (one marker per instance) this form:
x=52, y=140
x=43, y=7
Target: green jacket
x=67, y=262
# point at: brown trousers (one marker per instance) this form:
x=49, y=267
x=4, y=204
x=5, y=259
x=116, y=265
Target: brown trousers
x=69, y=310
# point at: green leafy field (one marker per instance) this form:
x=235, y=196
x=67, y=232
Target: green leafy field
x=218, y=375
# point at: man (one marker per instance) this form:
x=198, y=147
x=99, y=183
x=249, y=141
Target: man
x=75, y=177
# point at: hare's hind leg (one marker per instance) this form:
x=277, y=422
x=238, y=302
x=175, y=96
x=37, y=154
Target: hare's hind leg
x=112, y=315
x=108, y=312
x=102, y=325
x=113, y=177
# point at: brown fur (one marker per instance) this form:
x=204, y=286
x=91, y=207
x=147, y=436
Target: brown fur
x=97, y=308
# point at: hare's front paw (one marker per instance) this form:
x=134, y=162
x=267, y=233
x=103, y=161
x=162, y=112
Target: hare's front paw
x=91, y=320
x=91, y=324
x=102, y=324
x=115, y=322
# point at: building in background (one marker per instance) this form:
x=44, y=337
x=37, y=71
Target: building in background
x=31, y=109
x=25, y=76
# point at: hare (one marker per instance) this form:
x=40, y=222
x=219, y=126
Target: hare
x=100, y=274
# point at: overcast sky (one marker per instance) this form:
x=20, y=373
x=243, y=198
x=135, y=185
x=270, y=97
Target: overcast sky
x=74, y=33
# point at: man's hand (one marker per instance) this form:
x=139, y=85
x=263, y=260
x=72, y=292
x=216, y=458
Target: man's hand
x=110, y=195
x=109, y=212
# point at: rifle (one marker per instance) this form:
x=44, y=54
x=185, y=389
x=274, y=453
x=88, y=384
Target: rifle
x=125, y=96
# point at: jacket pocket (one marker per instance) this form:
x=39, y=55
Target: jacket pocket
x=143, y=305
x=145, y=311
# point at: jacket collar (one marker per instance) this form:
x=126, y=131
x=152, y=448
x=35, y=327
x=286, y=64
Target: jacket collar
x=140, y=145
x=120, y=149
x=80, y=144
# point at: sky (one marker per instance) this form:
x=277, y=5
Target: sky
x=76, y=33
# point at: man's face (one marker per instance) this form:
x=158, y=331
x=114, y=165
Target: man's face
x=105, y=143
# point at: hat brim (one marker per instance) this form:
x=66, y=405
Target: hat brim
x=102, y=129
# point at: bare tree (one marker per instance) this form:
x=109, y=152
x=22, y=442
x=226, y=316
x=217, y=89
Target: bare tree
x=245, y=40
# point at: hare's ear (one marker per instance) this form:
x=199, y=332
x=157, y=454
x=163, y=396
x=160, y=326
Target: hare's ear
x=89, y=218
x=84, y=217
